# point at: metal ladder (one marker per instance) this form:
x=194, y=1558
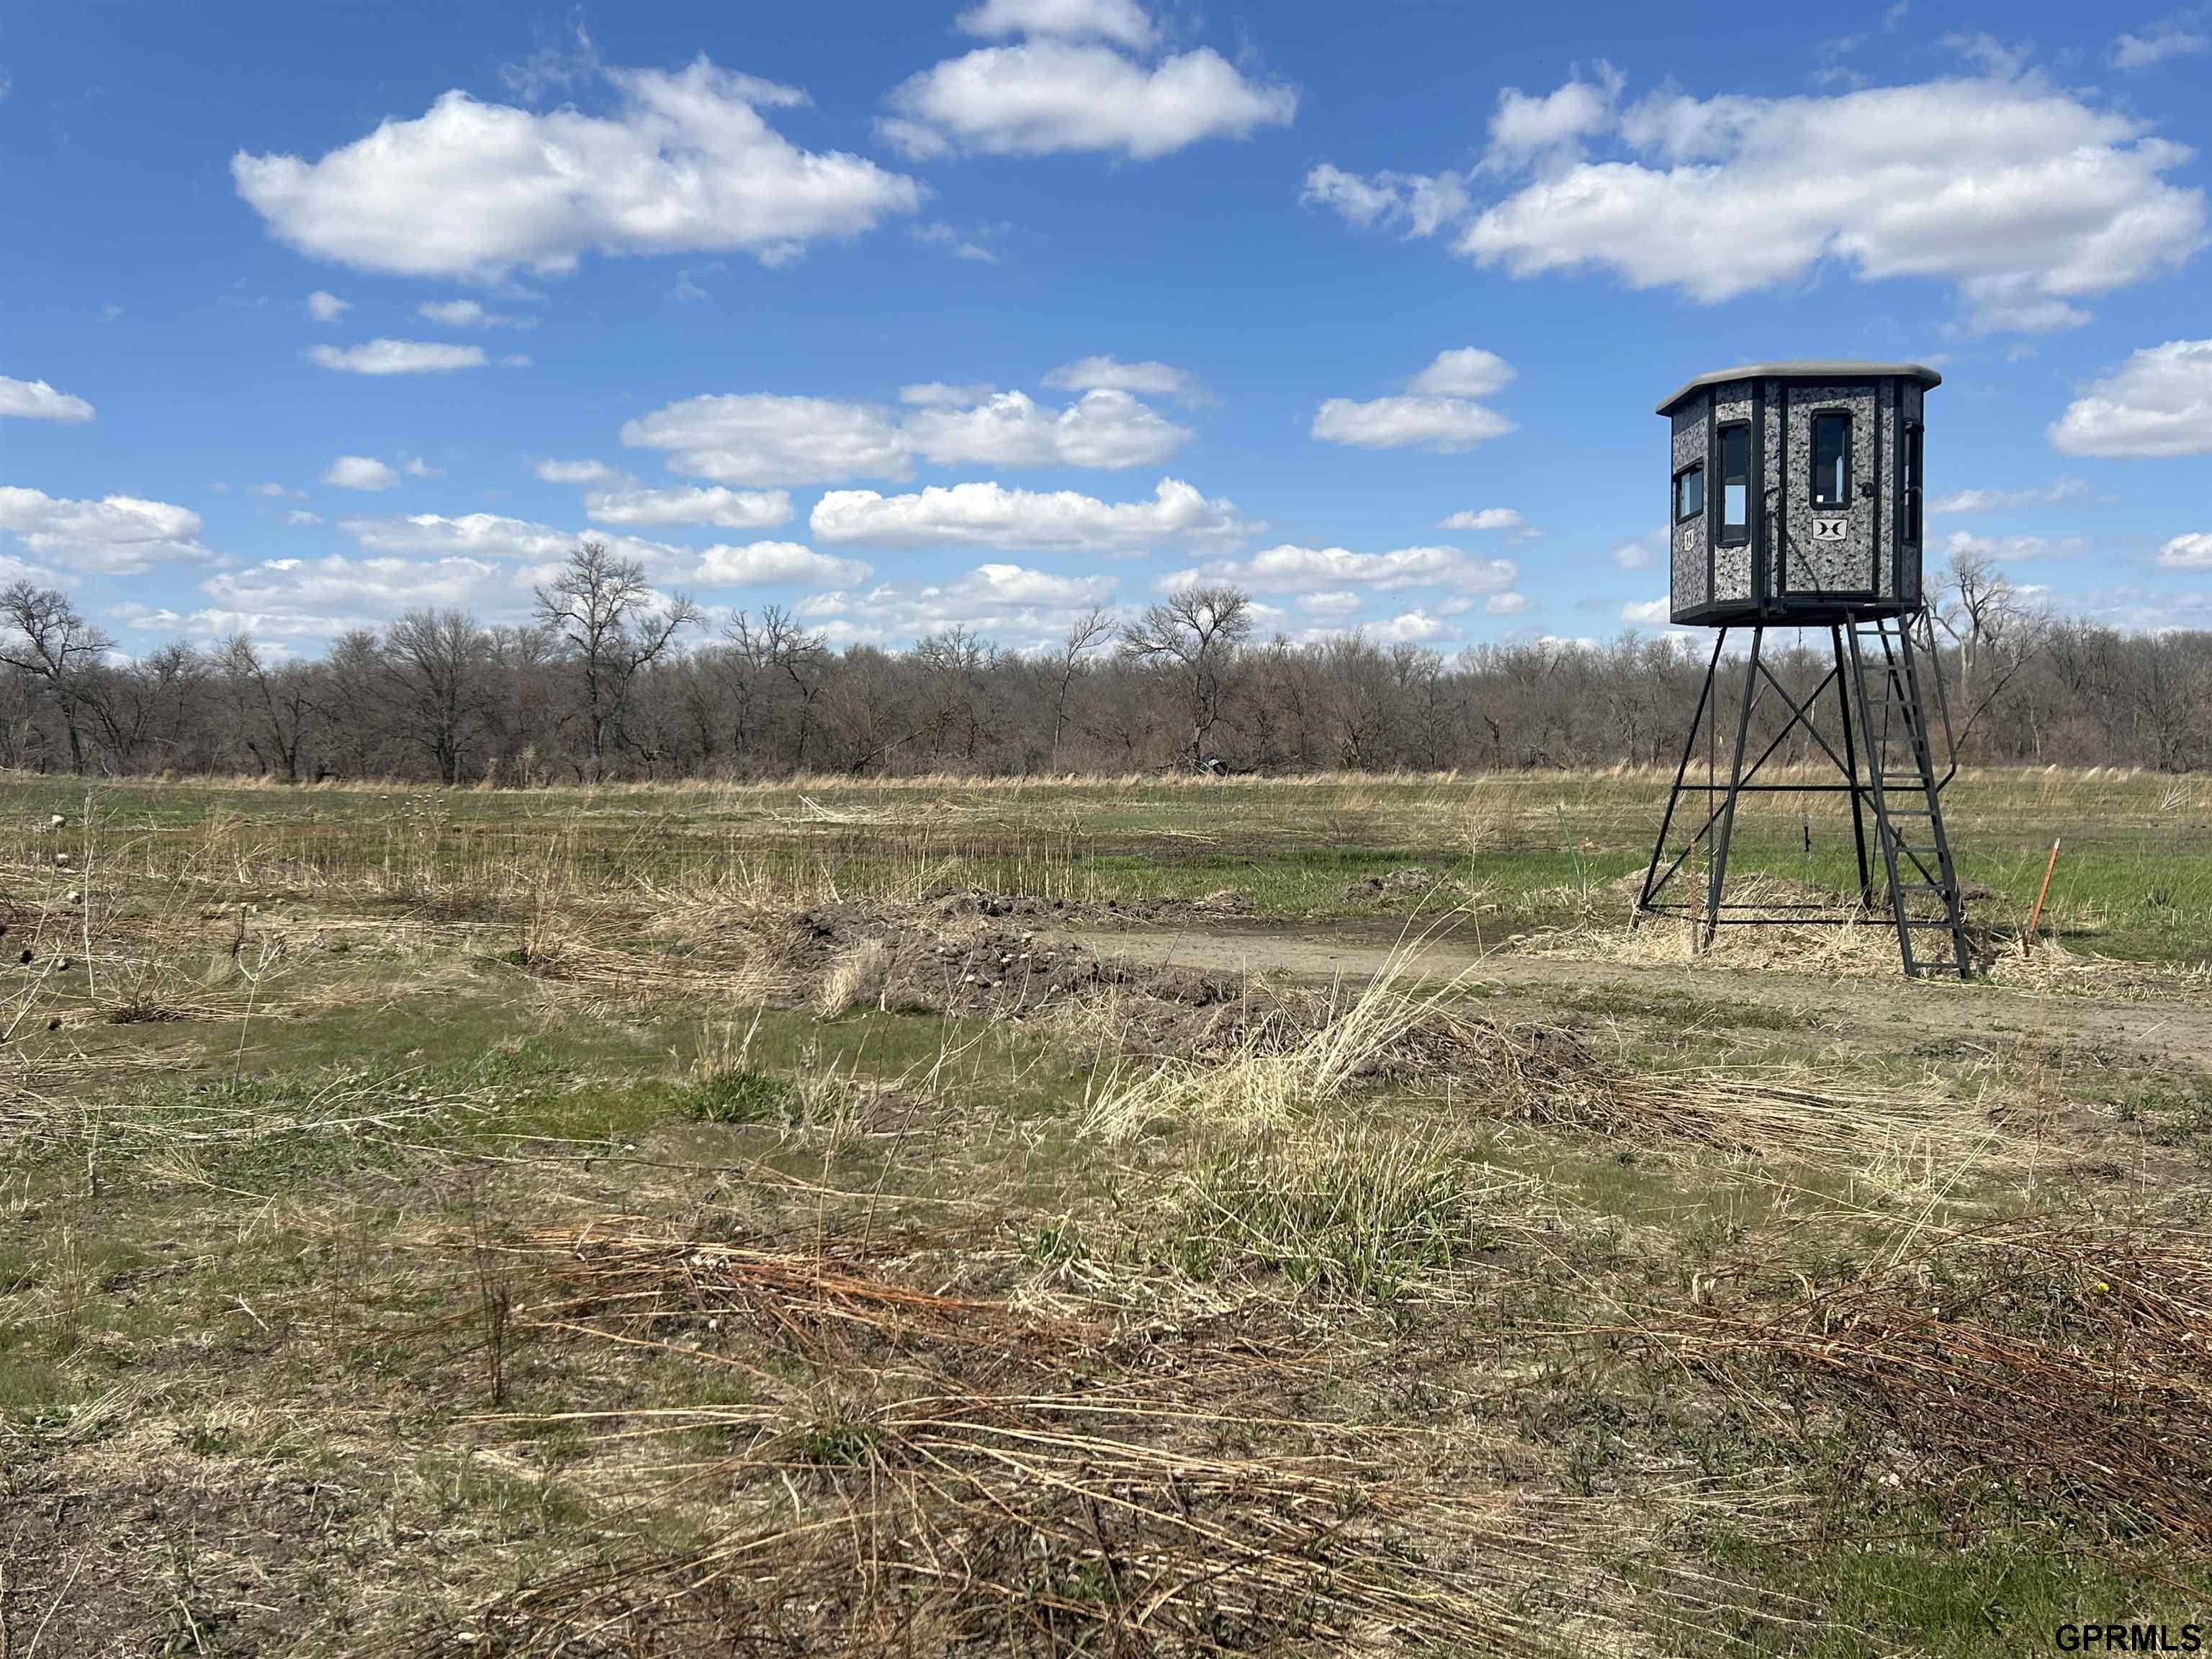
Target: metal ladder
x=1901, y=785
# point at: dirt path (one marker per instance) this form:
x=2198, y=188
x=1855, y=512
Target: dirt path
x=1872, y=1012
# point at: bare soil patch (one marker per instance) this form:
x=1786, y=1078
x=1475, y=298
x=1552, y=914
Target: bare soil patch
x=1875, y=1013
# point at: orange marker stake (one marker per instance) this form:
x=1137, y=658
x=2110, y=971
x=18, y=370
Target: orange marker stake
x=2028, y=942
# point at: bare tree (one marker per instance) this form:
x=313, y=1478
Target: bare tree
x=272, y=707
x=1996, y=631
x=1194, y=637
x=1085, y=634
x=603, y=609
x=152, y=705
x=778, y=647
x=955, y=663
x=435, y=664
x=57, y=647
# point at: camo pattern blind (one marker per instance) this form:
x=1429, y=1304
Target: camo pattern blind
x=1687, y=587
x=1810, y=567
x=1731, y=564
x=1911, y=397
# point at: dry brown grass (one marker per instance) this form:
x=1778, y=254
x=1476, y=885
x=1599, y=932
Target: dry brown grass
x=925, y=1471
x=1269, y=1342
x=2065, y=1374
x=1293, y=1059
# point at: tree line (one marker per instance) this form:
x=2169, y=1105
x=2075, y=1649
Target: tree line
x=610, y=680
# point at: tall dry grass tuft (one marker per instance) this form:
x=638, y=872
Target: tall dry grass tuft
x=1919, y=1140
x=1271, y=1076
x=858, y=976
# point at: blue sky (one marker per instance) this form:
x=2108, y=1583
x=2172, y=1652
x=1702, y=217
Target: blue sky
x=909, y=315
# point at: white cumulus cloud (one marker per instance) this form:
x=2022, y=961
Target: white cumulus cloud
x=1021, y=609
x=1148, y=378
x=327, y=596
x=1121, y=21
x=1524, y=128
x=1501, y=521
x=116, y=536
x=1046, y=96
x=988, y=514
x=1436, y=413
x=759, y=438
x=2190, y=552
x=767, y=563
x=2180, y=35
x=474, y=535
x=1989, y=500
x=1410, y=627
x=1423, y=202
x=1102, y=430
x=2158, y=403
x=397, y=357
x=1360, y=201
x=938, y=394
x=686, y=164
x=469, y=314
x=359, y=472
x=1462, y=372
x=2027, y=197
x=575, y=472
x=1337, y=602
x=1637, y=555
x=34, y=400
x=731, y=509
x=762, y=438
x=1288, y=568
x=1444, y=425
x=327, y=307
x=2015, y=547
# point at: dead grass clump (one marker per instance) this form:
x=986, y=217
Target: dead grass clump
x=858, y=976
x=1364, y=1210
x=614, y=1278
x=923, y=1472
x=1409, y=882
x=1295, y=1051
x=1860, y=944
x=2046, y=965
x=2061, y=1374
x=1300, y=1057
x=347, y=1104
x=1278, y=1069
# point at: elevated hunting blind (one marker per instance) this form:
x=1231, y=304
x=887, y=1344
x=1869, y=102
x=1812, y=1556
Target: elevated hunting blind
x=1794, y=500
x=1796, y=493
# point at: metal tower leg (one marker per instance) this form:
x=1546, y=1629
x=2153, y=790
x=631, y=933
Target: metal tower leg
x=1844, y=677
x=1674, y=795
x=1912, y=795
x=1726, y=828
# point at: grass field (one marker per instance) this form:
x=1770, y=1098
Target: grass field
x=941, y=1217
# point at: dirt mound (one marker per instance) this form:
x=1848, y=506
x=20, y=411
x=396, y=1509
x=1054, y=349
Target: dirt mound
x=952, y=906
x=1410, y=882
x=961, y=954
